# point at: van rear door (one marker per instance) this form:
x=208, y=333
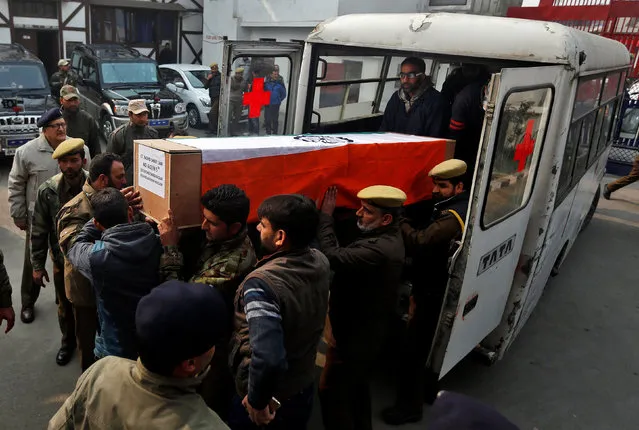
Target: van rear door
x=518, y=111
x=245, y=103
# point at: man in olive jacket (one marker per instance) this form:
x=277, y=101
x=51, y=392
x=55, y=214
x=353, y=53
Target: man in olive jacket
x=367, y=274
x=79, y=123
x=54, y=193
x=177, y=328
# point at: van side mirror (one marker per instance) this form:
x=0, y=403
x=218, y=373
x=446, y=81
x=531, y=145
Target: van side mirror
x=179, y=84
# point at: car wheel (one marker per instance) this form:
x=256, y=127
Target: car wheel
x=194, y=116
x=106, y=125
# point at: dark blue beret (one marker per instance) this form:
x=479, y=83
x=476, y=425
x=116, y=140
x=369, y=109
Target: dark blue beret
x=48, y=116
x=453, y=411
x=179, y=320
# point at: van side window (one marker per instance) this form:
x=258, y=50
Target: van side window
x=522, y=126
x=595, y=105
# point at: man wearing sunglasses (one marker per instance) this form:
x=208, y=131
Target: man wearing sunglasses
x=417, y=107
x=33, y=164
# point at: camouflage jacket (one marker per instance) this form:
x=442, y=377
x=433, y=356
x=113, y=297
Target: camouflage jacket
x=5, y=285
x=44, y=235
x=222, y=264
x=71, y=219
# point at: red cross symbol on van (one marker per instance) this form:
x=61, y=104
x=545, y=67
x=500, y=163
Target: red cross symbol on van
x=526, y=147
x=256, y=98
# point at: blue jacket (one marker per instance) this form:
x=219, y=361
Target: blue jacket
x=277, y=89
x=122, y=264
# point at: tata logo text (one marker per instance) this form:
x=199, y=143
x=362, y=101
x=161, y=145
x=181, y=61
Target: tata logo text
x=495, y=255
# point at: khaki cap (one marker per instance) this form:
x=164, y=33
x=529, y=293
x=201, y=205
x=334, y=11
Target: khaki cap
x=383, y=196
x=63, y=62
x=69, y=92
x=239, y=70
x=449, y=169
x=69, y=146
x=213, y=65
x=138, y=106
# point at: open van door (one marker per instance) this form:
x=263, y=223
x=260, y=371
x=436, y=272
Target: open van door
x=245, y=103
x=519, y=102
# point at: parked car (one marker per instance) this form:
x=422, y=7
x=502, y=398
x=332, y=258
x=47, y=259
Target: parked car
x=110, y=75
x=188, y=81
x=24, y=96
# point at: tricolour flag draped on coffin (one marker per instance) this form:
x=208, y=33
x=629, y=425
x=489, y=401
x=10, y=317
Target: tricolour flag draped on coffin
x=308, y=164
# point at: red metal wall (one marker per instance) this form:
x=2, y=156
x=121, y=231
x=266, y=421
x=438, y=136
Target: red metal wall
x=614, y=19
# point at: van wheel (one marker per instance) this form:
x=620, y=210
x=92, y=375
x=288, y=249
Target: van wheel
x=593, y=208
x=194, y=116
x=106, y=125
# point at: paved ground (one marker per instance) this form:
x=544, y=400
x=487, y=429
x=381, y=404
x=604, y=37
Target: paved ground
x=574, y=366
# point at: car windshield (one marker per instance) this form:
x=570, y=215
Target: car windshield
x=22, y=77
x=197, y=78
x=129, y=73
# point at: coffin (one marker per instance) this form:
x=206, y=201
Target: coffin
x=174, y=173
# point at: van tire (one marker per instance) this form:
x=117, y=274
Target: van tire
x=593, y=208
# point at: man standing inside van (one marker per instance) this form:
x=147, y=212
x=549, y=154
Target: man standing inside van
x=430, y=250
x=417, y=107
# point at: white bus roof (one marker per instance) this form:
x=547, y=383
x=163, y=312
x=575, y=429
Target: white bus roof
x=473, y=36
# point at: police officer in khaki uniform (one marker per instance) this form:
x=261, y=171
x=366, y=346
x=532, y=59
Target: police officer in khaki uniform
x=79, y=123
x=429, y=249
x=362, y=300
x=6, y=309
x=121, y=140
x=53, y=194
x=32, y=166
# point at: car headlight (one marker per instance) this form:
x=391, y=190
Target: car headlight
x=121, y=108
x=206, y=102
x=180, y=108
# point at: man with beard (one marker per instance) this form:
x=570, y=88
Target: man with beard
x=53, y=194
x=225, y=258
x=107, y=170
x=417, y=107
x=121, y=140
x=79, y=123
x=32, y=165
x=430, y=250
x=280, y=312
x=367, y=274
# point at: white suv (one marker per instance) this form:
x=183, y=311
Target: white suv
x=188, y=80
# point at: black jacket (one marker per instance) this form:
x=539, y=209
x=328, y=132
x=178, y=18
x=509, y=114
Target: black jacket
x=82, y=125
x=214, y=85
x=425, y=118
x=364, y=287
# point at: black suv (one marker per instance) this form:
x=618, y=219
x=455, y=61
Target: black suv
x=24, y=96
x=111, y=75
